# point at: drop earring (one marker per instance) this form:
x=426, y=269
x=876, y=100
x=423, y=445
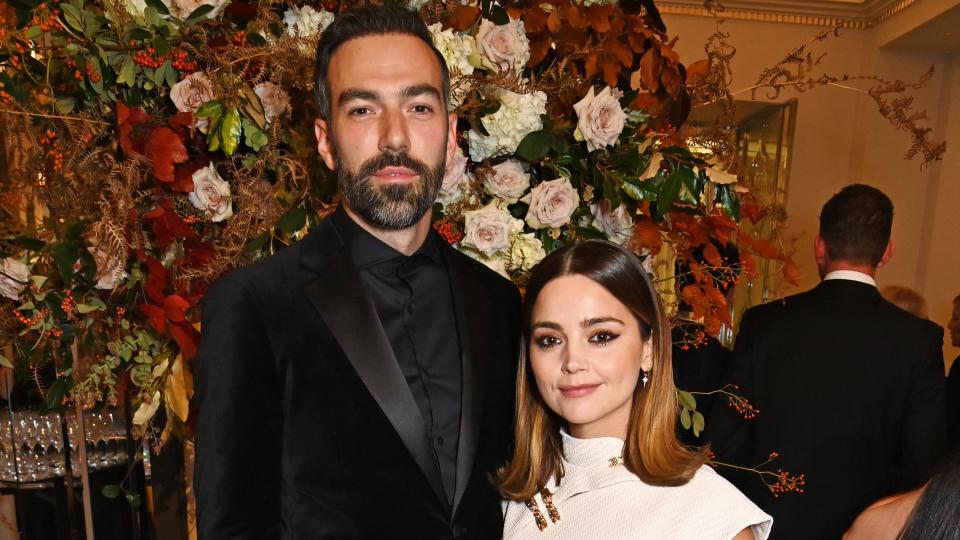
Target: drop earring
x=644, y=379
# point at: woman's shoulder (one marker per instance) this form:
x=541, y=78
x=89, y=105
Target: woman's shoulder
x=721, y=503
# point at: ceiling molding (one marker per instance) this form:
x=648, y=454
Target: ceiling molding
x=857, y=14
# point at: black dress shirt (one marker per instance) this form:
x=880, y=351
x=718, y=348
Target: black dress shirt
x=414, y=303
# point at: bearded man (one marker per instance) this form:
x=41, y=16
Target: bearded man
x=359, y=384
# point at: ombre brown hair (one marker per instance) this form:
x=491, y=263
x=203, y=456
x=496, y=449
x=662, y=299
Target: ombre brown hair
x=651, y=450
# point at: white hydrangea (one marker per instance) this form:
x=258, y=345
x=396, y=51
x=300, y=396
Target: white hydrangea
x=460, y=53
x=519, y=114
x=306, y=21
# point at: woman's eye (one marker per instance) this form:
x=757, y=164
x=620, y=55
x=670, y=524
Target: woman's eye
x=547, y=342
x=603, y=338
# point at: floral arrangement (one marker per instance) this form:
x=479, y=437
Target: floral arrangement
x=152, y=145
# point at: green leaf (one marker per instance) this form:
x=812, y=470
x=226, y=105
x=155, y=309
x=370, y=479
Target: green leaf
x=230, y=130
x=685, y=418
x=634, y=192
x=499, y=15
x=610, y=191
x=689, y=179
x=29, y=242
x=253, y=136
x=669, y=192
x=63, y=257
x=211, y=109
x=213, y=134
x=128, y=72
x=73, y=16
x=92, y=304
x=169, y=74
x=686, y=399
x=590, y=233
x=33, y=32
x=730, y=202
x=199, y=14
x=535, y=145
x=5, y=362
x=258, y=243
x=56, y=392
x=111, y=491
x=152, y=16
x=293, y=220
x=698, y=423
x=161, y=46
x=133, y=498
x=141, y=34
x=159, y=6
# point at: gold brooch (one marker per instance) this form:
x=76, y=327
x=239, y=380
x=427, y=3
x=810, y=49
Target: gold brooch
x=616, y=461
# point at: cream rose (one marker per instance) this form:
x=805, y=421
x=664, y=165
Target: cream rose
x=508, y=180
x=526, y=251
x=518, y=115
x=306, y=21
x=135, y=7
x=503, y=47
x=110, y=272
x=456, y=178
x=192, y=92
x=275, y=100
x=551, y=203
x=616, y=224
x=488, y=230
x=13, y=278
x=183, y=8
x=211, y=194
x=600, y=118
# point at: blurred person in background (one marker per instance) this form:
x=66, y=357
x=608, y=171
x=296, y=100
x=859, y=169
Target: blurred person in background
x=906, y=299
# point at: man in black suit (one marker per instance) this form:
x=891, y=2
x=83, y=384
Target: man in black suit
x=360, y=383
x=850, y=388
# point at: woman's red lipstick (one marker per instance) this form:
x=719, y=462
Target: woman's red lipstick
x=579, y=390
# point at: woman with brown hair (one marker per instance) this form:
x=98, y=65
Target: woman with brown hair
x=596, y=453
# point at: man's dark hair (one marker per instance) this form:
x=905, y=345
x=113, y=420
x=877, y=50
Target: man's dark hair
x=855, y=224
x=369, y=21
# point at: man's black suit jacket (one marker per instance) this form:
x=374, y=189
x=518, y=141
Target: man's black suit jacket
x=850, y=390
x=307, y=428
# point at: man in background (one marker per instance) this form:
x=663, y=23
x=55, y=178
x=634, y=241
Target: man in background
x=849, y=387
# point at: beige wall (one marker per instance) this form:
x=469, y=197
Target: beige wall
x=841, y=138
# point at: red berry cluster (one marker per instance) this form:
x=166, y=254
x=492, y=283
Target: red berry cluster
x=149, y=58
x=92, y=74
x=448, y=231
x=182, y=62
x=239, y=38
x=56, y=158
x=743, y=407
x=787, y=483
x=28, y=322
x=46, y=18
x=48, y=137
x=68, y=304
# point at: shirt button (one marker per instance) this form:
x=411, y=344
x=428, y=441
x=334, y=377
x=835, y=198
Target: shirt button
x=439, y=441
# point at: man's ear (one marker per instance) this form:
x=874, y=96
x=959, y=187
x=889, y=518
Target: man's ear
x=451, y=136
x=820, y=250
x=324, y=145
x=887, y=253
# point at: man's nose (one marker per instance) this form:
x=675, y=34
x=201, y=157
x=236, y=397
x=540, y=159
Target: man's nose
x=394, y=136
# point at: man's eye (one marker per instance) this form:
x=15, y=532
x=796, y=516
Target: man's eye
x=547, y=342
x=360, y=111
x=422, y=109
x=603, y=337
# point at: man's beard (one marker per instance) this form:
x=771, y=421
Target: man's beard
x=390, y=206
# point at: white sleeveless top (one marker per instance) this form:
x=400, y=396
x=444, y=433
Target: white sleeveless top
x=599, y=498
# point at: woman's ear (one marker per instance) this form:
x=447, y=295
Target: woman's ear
x=646, y=355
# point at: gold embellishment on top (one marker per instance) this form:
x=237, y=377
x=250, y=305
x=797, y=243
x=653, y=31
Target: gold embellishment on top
x=537, y=514
x=616, y=461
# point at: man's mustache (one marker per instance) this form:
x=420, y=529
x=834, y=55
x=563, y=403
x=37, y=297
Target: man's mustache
x=392, y=159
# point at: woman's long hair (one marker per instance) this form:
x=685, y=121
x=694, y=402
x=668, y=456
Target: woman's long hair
x=937, y=514
x=651, y=450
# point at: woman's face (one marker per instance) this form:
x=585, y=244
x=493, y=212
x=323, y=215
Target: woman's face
x=587, y=354
x=954, y=325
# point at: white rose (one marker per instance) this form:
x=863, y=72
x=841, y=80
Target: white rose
x=456, y=178
x=306, y=21
x=110, y=271
x=518, y=115
x=509, y=181
x=600, y=118
x=616, y=224
x=192, y=92
x=275, y=100
x=551, y=203
x=503, y=47
x=526, y=251
x=13, y=278
x=488, y=230
x=211, y=194
x=182, y=8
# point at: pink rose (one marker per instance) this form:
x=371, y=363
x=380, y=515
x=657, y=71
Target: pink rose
x=616, y=224
x=551, y=203
x=192, y=92
x=600, y=118
x=14, y=276
x=508, y=180
x=503, y=47
x=488, y=229
x=455, y=179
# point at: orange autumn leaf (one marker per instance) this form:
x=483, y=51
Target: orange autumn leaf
x=712, y=255
x=538, y=51
x=697, y=70
x=175, y=307
x=752, y=211
x=590, y=66
x=611, y=70
x=600, y=17
x=127, y=119
x=791, y=272
x=646, y=235
x=574, y=18
x=621, y=52
x=554, y=22
x=650, y=70
x=669, y=54
x=164, y=148
x=748, y=265
x=670, y=80
x=764, y=248
x=645, y=102
x=637, y=42
x=534, y=19
x=464, y=17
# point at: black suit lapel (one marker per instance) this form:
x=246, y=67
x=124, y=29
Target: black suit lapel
x=339, y=296
x=472, y=331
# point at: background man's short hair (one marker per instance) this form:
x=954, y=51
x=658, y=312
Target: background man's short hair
x=855, y=224
x=369, y=21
